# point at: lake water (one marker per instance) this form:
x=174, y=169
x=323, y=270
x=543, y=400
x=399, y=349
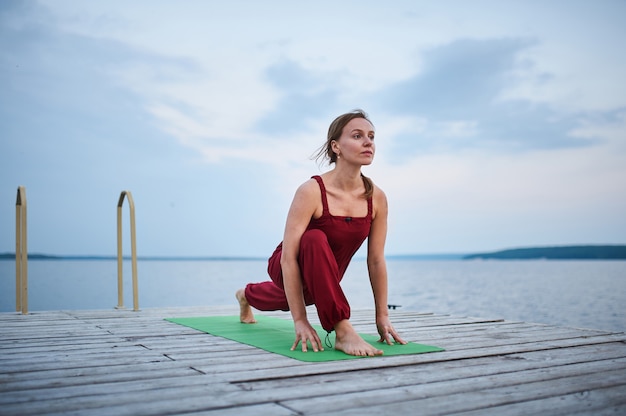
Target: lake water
x=589, y=294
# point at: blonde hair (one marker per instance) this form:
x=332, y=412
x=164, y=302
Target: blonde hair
x=325, y=152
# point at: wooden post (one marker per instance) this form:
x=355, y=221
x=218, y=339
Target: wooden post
x=21, y=253
x=120, y=256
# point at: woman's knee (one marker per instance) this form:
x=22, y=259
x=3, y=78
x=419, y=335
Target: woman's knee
x=312, y=238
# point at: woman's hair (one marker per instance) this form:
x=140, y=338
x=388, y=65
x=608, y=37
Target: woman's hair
x=325, y=152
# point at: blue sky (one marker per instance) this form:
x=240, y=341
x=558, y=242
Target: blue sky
x=499, y=124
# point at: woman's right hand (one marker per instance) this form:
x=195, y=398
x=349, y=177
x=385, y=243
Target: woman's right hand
x=305, y=333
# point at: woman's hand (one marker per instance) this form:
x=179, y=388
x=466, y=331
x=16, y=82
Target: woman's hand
x=387, y=333
x=304, y=334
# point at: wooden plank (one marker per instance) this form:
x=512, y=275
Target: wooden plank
x=254, y=410
x=71, y=363
x=609, y=401
x=59, y=379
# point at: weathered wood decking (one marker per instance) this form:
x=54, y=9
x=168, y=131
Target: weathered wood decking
x=134, y=363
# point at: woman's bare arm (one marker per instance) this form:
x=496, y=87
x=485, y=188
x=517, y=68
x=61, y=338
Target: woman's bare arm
x=377, y=267
x=304, y=206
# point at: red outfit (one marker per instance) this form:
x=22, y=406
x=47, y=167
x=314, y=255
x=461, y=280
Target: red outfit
x=326, y=248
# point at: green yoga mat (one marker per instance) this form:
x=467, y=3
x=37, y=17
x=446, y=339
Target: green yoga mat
x=276, y=335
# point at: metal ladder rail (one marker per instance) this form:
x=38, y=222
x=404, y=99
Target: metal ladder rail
x=133, y=248
x=21, y=253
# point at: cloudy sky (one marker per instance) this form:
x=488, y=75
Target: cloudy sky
x=500, y=124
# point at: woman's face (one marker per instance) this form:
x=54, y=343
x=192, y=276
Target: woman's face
x=356, y=143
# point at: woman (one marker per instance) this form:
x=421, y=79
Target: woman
x=330, y=217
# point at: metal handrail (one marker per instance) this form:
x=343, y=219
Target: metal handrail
x=133, y=248
x=21, y=253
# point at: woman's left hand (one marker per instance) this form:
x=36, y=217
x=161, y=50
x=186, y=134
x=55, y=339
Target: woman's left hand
x=387, y=333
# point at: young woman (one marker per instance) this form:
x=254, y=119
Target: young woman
x=330, y=217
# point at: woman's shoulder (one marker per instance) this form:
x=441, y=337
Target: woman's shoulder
x=309, y=189
x=307, y=200
x=379, y=200
x=309, y=185
x=378, y=193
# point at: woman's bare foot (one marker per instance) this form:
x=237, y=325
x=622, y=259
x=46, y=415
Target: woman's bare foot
x=348, y=341
x=245, y=311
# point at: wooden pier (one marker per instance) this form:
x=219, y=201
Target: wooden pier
x=120, y=362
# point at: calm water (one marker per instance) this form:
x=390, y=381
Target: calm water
x=588, y=294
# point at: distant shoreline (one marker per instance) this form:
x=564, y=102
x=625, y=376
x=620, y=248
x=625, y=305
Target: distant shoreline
x=38, y=256
x=595, y=252
x=582, y=252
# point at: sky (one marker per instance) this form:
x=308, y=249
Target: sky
x=499, y=124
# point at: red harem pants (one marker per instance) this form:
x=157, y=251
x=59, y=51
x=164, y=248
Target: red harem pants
x=320, y=279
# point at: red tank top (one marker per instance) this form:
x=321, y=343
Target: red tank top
x=345, y=234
